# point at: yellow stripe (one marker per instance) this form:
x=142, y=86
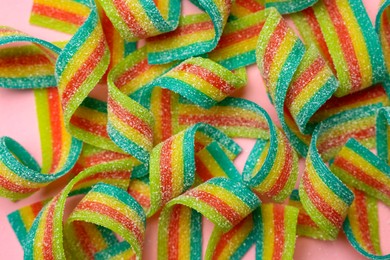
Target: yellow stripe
x=27, y=217
x=141, y=17
x=310, y=90
x=237, y=240
x=369, y=169
x=185, y=233
x=229, y=198
x=279, y=60
x=358, y=42
x=180, y=41
x=234, y=49
x=326, y=194
x=22, y=71
x=177, y=164
x=268, y=224
x=210, y=163
x=66, y=5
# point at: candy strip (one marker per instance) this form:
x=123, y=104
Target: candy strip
x=382, y=134
x=241, y=8
x=361, y=226
x=234, y=243
x=356, y=166
x=172, y=163
x=43, y=54
x=183, y=236
x=41, y=241
x=225, y=202
x=382, y=27
x=305, y=225
x=195, y=35
x=22, y=219
x=277, y=232
x=352, y=42
x=289, y=6
x=121, y=250
x=64, y=15
x=113, y=208
x=20, y=174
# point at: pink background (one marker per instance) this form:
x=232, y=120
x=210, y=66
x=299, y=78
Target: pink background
x=18, y=120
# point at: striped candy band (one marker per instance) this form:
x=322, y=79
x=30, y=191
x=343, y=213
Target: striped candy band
x=361, y=226
x=350, y=44
x=172, y=163
x=356, y=166
x=241, y=8
x=108, y=206
x=64, y=15
x=41, y=241
x=225, y=202
x=276, y=237
x=382, y=134
x=234, y=243
x=195, y=35
x=142, y=19
x=28, y=66
x=22, y=219
x=179, y=234
x=383, y=29
x=121, y=250
x=20, y=174
x=305, y=225
x=289, y=6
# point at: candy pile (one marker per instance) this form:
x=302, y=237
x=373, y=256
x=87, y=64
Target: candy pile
x=161, y=144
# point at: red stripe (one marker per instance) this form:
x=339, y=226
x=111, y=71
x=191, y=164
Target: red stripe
x=128, y=17
x=273, y=45
x=222, y=207
x=84, y=71
x=132, y=73
x=56, y=127
x=119, y=217
x=205, y=74
x=341, y=140
x=166, y=174
x=83, y=239
x=36, y=208
x=346, y=44
x=58, y=14
x=305, y=220
x=386, y=27
x=27, y=60
x=47, y=249
x=11, y=186
x=166, y=114
x=130, y=119
x=239, y=36
x=361, y=175
x=251, y=5
x=173, y=233
x=227, y=238
x=278, y=211
x=315, y=26
x=183, y=30
x=363, y=222
x=357, y=97
x=219, y=120
x=201, y=170
x=304, y=79
x=285, y=173
x=143, y=200
x=105, y=156
x=326, y=210
x=117, y=175
x=89, y=126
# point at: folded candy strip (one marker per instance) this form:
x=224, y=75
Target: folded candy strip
x=144, y=124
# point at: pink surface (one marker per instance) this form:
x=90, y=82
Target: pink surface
x=18, y=120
